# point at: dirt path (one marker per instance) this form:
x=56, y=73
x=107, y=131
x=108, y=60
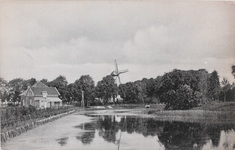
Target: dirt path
x=48, y=135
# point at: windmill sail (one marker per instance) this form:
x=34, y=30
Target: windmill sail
x=116, y=72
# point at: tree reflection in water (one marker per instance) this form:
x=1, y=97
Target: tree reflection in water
x=108, y=128
x=173, y=135
x=226, y=141
x=88, y=136
x=62, y=141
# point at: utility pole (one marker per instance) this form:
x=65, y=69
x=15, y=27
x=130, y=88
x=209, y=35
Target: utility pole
x=83, y=105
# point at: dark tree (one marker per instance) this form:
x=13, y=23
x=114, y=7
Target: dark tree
x=29, y=82
x=233, y=70
x=150, y=89
x=16, y=88
x=127, y=92
x=4, y=96
x=140, y=92
x=214, y=86
x=85, y=83
x=225, y=87
x=5, y=89
x=61, y=84
x=45, y=81
x=73, y=93
x=179, y=89
x=106, y=88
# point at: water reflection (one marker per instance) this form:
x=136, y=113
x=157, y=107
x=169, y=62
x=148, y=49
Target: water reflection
x=86, y=138
x=122, y=130
x=227, y=141
x=62, y=141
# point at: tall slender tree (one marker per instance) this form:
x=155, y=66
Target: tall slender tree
x=140, y=91
x=225, y=87
x=214, y=86
x=233, y=70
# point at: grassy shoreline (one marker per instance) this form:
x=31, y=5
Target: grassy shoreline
x=196, y=116
x=210, y=113
x=216, y=112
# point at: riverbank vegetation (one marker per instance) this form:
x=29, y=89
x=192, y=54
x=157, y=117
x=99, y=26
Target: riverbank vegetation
x=178, y=90
x=217, y=113
x=12, y=117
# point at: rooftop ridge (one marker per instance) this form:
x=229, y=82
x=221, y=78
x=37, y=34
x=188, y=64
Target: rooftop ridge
x=39, y=84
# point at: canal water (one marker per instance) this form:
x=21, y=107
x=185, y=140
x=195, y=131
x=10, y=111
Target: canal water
x=124, y=132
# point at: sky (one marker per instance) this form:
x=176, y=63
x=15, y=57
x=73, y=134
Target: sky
x=45, y=39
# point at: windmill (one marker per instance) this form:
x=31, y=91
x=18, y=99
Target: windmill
x=116, y=73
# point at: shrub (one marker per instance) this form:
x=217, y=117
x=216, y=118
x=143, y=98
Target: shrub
x=12, y=116
x=182, y=98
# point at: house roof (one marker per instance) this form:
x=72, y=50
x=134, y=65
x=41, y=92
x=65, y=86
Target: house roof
x=50, y=91
x=38, y=88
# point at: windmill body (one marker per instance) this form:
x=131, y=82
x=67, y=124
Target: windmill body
x=116, y=76
x=117, y=72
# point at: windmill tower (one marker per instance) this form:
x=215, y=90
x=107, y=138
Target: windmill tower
x=116, y=73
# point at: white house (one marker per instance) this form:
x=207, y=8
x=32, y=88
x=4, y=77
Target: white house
x=40, y=96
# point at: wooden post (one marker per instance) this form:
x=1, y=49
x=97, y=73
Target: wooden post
x=83, y=105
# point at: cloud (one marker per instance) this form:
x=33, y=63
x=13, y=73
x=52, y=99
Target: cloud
x=50, y=72
x=148, y=38
x=193, y=33
x=16, y=58
x=149, y=45
x=79, y=51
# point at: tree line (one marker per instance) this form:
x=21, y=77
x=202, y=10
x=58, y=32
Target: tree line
x=187, y=132
x=178, y=89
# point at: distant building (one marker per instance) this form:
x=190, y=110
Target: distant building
x=40, y=96
x=116, y=99
x=119, y=99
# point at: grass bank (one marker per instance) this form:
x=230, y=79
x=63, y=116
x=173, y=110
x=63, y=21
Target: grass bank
x=211, y=113
x=217, y=106
x=138, y=106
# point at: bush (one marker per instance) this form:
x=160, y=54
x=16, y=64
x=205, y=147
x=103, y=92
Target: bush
x=10, y=116
x=183, y=98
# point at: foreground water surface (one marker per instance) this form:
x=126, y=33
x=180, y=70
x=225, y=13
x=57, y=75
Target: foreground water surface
x=116, y=132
